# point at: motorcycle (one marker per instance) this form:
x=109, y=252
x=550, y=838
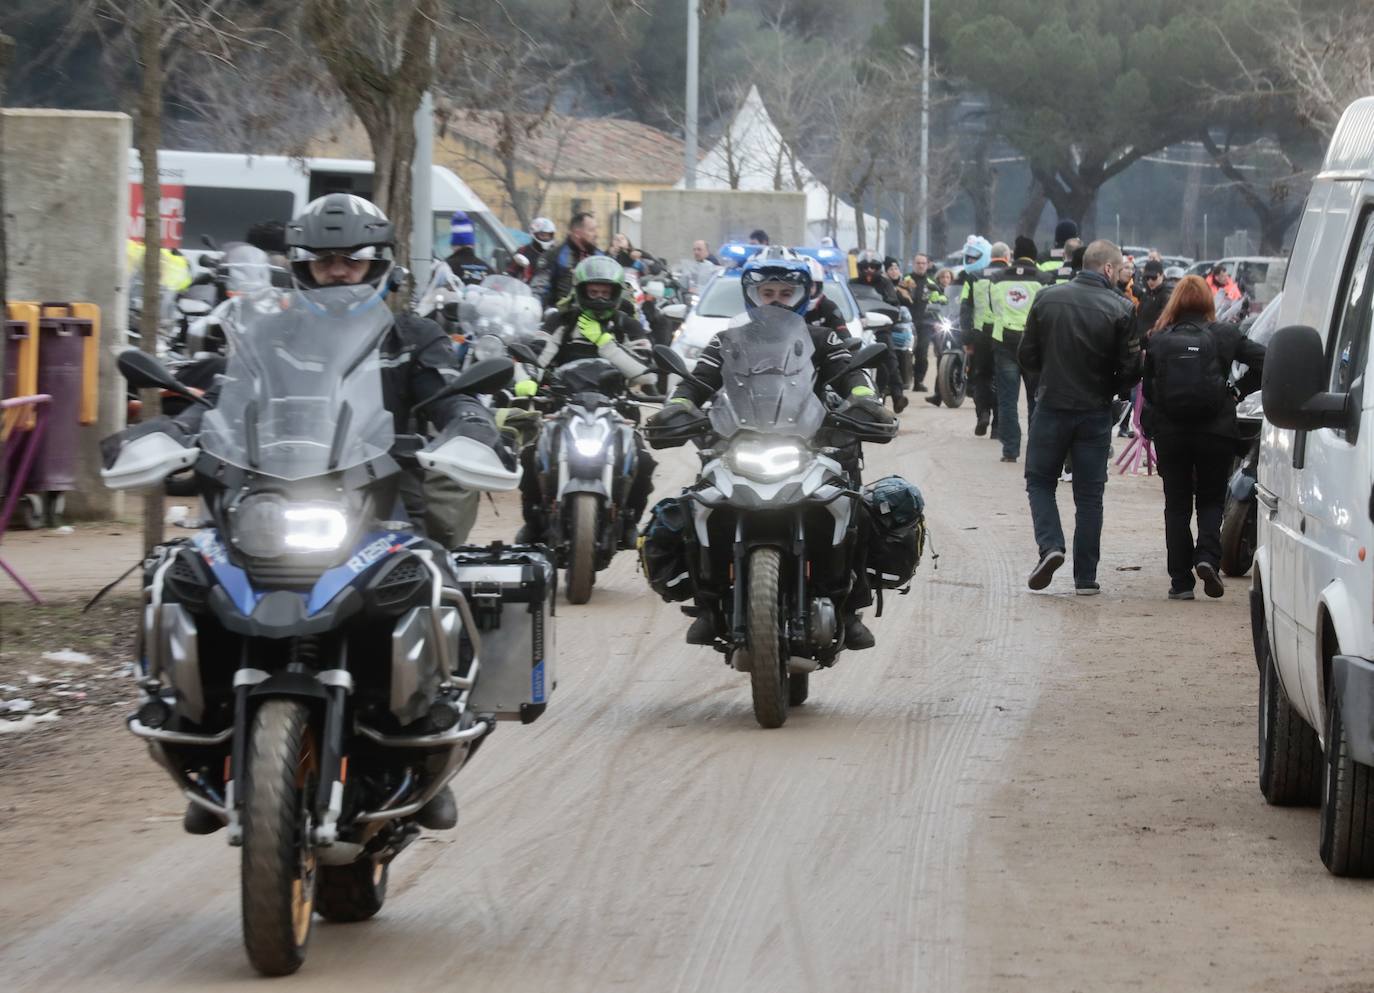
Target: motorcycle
x=310, y=671
x=951, y=364
x=773, y=521
x=587, y=458
x=1240, y=514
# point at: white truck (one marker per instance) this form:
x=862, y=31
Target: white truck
x=1312, y=598
x=222, y=194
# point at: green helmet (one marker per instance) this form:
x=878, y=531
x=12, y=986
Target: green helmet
x=598, y=269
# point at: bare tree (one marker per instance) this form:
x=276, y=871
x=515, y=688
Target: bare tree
x=380, y=54
x=505, y=83
x=6, y=52
x=1269, y=180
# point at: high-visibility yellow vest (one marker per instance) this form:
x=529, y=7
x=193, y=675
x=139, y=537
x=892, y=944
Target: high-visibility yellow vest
x=1010, y=295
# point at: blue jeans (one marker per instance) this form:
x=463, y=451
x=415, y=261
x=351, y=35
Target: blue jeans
x=1008, y=379
x=1087, y=436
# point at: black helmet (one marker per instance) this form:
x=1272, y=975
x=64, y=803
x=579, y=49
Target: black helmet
x=341, y=224
x=869, y=260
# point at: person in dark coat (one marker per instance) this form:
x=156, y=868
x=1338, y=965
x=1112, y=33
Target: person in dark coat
x=1195, y=451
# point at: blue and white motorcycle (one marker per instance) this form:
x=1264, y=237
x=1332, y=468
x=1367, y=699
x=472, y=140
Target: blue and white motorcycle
x=310, y=672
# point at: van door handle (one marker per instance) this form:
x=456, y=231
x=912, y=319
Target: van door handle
x=1270, y=502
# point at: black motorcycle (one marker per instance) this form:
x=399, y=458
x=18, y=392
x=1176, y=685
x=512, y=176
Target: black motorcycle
x=1239, y=516
x=774, y=519
x=951, y=363
x=308, y=666
x=587, y=458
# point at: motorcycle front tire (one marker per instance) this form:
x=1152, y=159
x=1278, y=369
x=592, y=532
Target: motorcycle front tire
x=951, y=380
x=768, y=655
x=581, y=547
x=1239, y=526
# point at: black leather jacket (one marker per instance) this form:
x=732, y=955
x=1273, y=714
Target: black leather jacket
x=830, y=356
x=1081, y=340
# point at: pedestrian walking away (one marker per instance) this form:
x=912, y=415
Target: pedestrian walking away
x=1190, y=414
x=1011, y=293
x=1081, y=341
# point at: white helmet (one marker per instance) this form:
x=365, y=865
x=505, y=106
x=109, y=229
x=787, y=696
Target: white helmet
x=542, y=225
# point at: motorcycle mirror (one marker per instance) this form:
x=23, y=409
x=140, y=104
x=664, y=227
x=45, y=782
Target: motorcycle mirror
x=520, y=260
x=523, y=352
x=670, y=361
x=399, y=275
x=864, y=358
x=674, y=311
x=209, y=243
x=143, y=372
x=487, y=376
x=875, y=321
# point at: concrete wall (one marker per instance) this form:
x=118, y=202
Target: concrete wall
x=67, y=197
x=673, y=219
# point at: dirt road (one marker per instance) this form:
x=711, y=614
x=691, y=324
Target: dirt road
x=1013, y=792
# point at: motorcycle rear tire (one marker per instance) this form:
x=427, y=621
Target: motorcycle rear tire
x=768, y=676
x=278, y=866
x=1238, y=530
x=582, y=548
x=951, y=381
x=354, y=892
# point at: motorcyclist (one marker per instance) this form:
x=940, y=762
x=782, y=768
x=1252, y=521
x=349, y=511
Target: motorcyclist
x=343, y=240
x=1011, y=289
x=776, y=277
x=870, y=273
x=822, y=310
x=580, y=244
x=463, y=260
x=537, y=254
x=1058, y=257
x=590, y=324
x=977, y=341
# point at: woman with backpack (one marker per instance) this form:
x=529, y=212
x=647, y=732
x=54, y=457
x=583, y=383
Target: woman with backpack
x=1190, y=414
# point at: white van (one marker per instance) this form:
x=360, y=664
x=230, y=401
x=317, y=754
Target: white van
x=1312, y=599
x=221, y=195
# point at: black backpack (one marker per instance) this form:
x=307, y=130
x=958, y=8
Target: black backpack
x=1188, y=381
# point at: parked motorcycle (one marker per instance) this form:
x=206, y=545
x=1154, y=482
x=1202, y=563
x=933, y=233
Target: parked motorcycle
x=773, y=520
x=1239, y=516
x=587, y=458
x=310, y=671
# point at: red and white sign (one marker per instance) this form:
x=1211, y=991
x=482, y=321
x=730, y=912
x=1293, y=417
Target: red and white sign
x=171, y=212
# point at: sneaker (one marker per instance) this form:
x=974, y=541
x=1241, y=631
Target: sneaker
x=981, y=428
x=198, y=820
x=1211, y=580
x=1044, y=569
x=1181, y=594
x=703, y=629
x=933, y=399
x=1087, y=589
x=440, y=813
x=899, y=403
x=918, y=388
x=1008, y=458
x=856, y=634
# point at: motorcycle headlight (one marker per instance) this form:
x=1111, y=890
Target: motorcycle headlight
x=589, y=439
x=767, y=460
x=268, y=527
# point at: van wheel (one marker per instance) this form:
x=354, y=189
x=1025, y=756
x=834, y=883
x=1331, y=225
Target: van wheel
x=1290, y=756
x=1347, y=821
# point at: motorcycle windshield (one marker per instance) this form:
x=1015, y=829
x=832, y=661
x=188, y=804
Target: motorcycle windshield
x=302, y=392
x=768, y=378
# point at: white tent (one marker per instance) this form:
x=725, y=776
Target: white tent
x=751, y=155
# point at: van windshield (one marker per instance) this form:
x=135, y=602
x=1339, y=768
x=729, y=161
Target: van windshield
x=491, y=247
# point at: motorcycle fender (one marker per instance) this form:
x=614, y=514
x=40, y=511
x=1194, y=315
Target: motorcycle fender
x=571, y=486
x=291, y=684
x=1242, y=486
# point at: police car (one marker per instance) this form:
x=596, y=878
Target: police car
x=723, y=298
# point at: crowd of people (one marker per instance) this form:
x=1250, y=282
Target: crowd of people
x=1083, y=329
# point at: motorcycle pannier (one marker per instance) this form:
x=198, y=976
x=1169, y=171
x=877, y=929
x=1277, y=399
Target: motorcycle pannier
x=663, y=550
x=510, y=590
x=898, y=536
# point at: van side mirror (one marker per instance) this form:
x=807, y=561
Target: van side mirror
x=1295, y=377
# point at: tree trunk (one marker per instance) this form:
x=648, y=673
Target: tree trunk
x=858, y=197
x=149, y=137
x=6, y=51
x=1035, y=206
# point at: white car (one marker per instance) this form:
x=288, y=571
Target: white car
x=1312, y=599
x=723, y=299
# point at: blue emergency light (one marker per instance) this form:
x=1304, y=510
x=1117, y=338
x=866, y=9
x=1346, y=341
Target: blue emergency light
x=830, y=258
x=733, y=254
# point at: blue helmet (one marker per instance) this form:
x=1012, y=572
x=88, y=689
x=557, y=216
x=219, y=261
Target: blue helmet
x=977, y=253
x=776, y=264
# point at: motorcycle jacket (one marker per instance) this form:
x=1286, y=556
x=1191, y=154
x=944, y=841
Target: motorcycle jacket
x=465, y=264
x=830, y=356
x=884, y=287
x=827, y=314
x=579, y=334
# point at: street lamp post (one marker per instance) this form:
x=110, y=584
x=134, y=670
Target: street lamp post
x=689, y=150
x=924, y=245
